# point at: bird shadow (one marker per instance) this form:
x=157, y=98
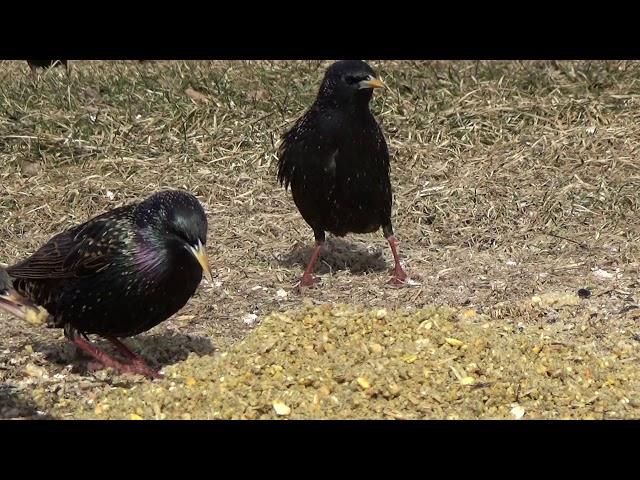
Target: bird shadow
x=158, y=350
x=14, y=405
x=337, y=255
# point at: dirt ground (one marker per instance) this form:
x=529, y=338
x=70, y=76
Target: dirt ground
x=516, y=184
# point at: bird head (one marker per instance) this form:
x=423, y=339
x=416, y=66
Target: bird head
x=178, y=220
x=14, y=303
x=349, y=81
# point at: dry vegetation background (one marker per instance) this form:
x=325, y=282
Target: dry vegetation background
x=511, y=179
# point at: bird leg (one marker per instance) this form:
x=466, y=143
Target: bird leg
x=399, y=275
x=34, y=74
x=108, y=361
x=136, y=360
x=309, y=280
x=123, y=349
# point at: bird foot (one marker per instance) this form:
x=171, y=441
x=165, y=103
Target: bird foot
x=142, y=368
x=95, y=367
x=399, y=277
x=135, y=367
x=308, y=281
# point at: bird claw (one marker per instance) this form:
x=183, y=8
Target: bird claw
x=308, y=281
x=95, y=366
x=398, y=278
x=135, y=367
x=142, y=368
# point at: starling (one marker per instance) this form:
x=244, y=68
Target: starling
x=119, y=274
x=35, y=64
x=336, y=160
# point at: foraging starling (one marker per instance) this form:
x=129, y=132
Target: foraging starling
x=336, y=160
x=119, y=274
x=35, y=64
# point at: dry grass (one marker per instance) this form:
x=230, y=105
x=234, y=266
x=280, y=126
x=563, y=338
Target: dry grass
x=510, y=178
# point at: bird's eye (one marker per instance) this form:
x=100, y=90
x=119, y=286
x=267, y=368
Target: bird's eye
x=352, y=79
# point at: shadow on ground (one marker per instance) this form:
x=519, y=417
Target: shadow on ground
x=14, y=405
x=158, y=350
x=338, y=254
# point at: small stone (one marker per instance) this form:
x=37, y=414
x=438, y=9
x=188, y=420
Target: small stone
x=584, y=293
x=250, y=319
x=281, y=408
x=598, y=272
x=517, y=412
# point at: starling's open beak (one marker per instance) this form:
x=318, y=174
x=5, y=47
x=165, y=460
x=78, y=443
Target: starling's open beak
x=370, y=83
x=9, y=295
x=14, y=303
x=201, y=255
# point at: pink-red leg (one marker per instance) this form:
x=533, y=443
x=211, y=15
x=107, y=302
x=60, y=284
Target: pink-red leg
x=399, y=276
x=124, y=350
x=108, y=361
x=308, y=280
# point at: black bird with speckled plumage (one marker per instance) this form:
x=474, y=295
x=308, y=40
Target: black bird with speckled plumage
x=120, y=273
x=335, y=159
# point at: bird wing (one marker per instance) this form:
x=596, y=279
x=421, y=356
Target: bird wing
x=312, y=141
x=80, y=251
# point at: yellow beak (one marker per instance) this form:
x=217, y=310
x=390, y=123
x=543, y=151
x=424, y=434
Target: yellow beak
x=201, y=255
x=15, y=304
x=371, y=83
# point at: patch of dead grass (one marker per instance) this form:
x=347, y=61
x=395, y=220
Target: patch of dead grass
x=510, y=179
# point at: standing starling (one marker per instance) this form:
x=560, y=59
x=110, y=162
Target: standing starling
x=119, y=274
x=336, y=160
x=35, y=64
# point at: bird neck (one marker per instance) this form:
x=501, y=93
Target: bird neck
x=357, y=106
x=166, y=260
